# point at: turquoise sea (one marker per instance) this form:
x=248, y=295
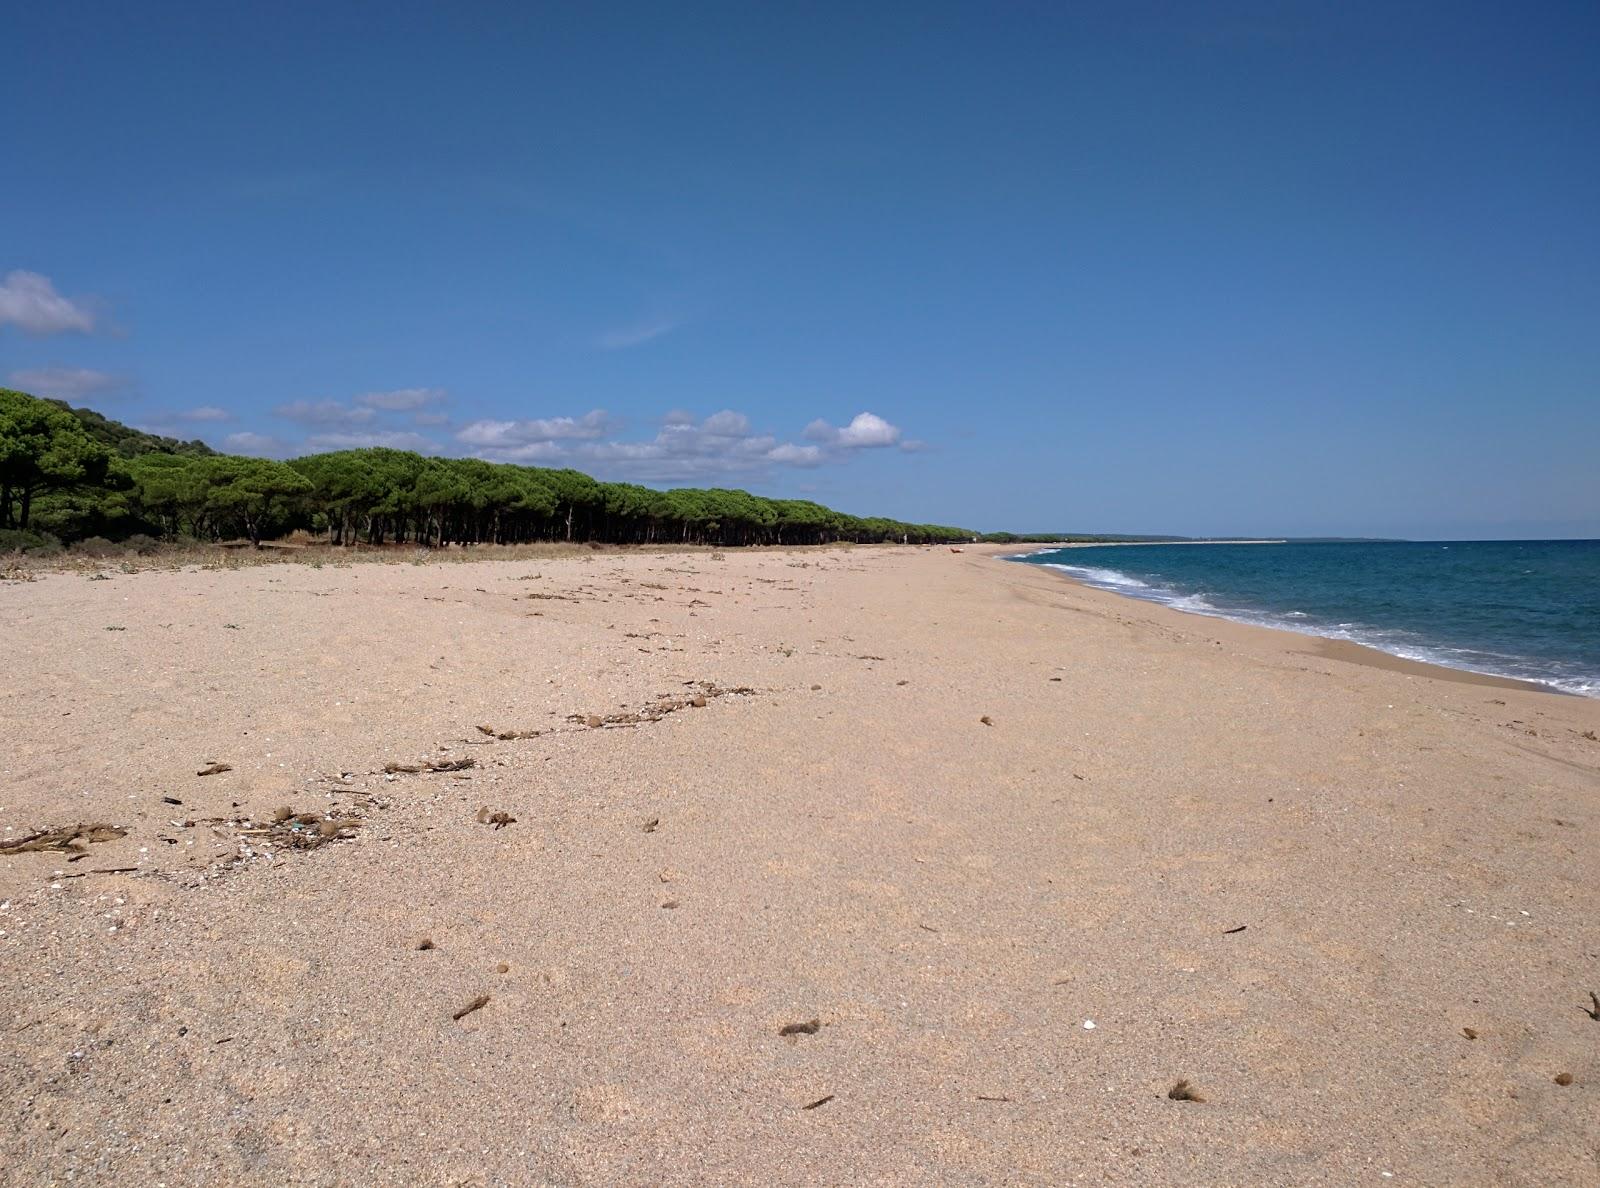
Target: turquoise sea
x=1528, y=609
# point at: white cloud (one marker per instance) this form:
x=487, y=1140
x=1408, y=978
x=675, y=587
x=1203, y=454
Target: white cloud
x=324, y=412
x=257, y=444
x=797, y=455
x=726, y=423
x=206, y=412
x=722, y=447
x=63, y=383
x=534, y=452
x=637, y=334
x=402, y=399
x=30, y=302
x=502, y=435
x=865, y=431
x=430, y=418
x=396, y=439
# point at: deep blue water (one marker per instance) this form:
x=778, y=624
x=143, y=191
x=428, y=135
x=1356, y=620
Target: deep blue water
x=1525, y=608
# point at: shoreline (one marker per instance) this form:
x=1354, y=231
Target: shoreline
x=1133, y=544
x=1329, y=646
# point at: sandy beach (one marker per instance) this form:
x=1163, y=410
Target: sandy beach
x=1027, y=854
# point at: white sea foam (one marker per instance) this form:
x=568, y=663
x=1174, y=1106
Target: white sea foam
x=1101, y=577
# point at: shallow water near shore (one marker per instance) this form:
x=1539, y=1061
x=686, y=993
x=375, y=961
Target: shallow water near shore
x=1528, y=610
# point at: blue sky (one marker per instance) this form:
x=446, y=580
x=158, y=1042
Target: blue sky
x=1205, y=268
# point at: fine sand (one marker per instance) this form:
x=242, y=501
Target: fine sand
x=1028, y=853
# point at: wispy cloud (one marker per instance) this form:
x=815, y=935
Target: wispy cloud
x=637, y=334
x=324, y=412
x=258, y=445
x=492, y=435
x=206, y=412
x=402, y=399
x=64, y=383
x=30, y=302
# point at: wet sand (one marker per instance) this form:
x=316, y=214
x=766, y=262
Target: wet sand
x=1291, y=875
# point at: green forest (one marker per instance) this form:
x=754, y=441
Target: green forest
x=67, y=474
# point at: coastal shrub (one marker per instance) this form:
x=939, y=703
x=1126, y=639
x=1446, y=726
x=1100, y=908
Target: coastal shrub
x=142, y=544
x=19, y=540
x=98, y=547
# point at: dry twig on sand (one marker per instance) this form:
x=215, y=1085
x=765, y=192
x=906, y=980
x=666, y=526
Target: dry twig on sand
x=71, y=839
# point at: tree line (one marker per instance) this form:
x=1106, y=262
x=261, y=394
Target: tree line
x=72, y=473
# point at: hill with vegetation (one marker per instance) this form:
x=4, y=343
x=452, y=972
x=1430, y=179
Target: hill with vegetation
x=68, y=474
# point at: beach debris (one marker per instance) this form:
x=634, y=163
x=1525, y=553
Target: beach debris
x=986, y=720
x=70, y=839
x=496, y=818
x=1088, y=1024
x=1593, y=1013
x=670, y=905
x=1183, y=1091
x=821, y=1101
x=665, y=704
x=902, y=682
x=651, y=825
x=810, y=1027
x=502, y=968
x=170, y=800
x=281, y=814
x=425, y=945
x=1590, y=735
x=1231, y=931
x=1469, y=1033
x=1055, y=679
x=396, y=768
x=1563, y=1078
x=816, y=688
x=302, y=831
x=507, y=735
x=214, y=769
x=477, y=1004
x=983, y=1097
